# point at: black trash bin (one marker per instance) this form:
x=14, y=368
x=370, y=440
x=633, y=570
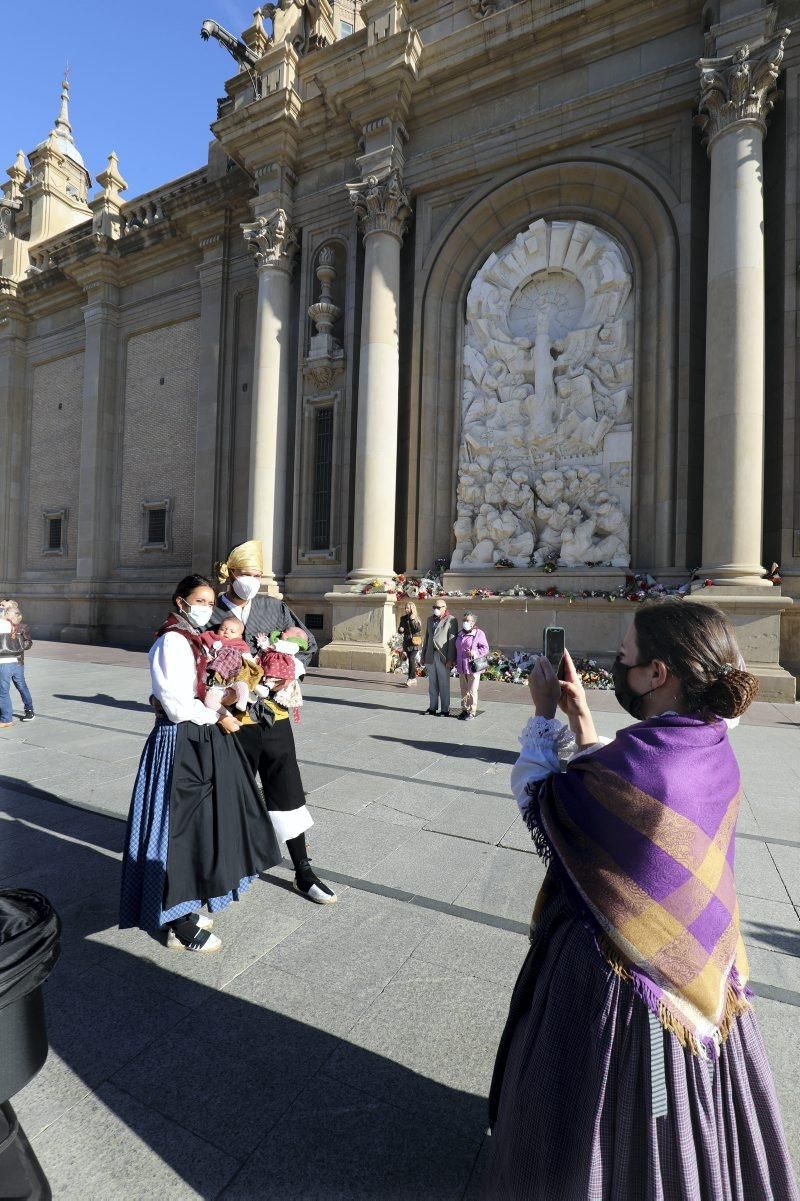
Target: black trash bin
x=30, y=932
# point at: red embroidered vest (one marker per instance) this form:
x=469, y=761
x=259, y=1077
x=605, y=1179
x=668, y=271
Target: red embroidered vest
x=179, y=625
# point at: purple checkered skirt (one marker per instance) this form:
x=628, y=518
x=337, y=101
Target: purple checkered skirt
x=571, y=1097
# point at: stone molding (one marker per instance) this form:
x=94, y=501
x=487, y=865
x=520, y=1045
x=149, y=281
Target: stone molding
x=273, y=239
x=381, y=205
x=739, y=88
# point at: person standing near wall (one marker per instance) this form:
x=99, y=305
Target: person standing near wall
x=269, y=745
x=15, y=639
x=410, y=628
x=439, y=657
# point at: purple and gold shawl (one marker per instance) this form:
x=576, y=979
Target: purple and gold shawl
x=642, y=834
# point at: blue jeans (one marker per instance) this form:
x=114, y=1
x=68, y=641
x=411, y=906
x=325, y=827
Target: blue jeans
x=12, y=673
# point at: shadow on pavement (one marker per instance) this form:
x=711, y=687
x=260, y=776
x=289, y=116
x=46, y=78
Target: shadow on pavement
x=251, y=1091
x=455, y=750
x=102, y=698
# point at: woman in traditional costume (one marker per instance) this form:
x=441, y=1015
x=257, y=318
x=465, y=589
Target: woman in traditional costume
x=631, y=1067
x=198, y=833
x=269, y=744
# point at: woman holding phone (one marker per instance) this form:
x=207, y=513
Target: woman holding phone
x=631, y=1065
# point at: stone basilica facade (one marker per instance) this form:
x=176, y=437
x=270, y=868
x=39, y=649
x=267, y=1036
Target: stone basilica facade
x=461, y=279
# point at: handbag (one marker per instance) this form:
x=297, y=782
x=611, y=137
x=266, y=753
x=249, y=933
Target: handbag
x=478, y=663
x=416, y=640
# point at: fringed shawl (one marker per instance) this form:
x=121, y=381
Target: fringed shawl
x=642, y=834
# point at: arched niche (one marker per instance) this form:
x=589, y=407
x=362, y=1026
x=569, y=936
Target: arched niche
x=637, y=214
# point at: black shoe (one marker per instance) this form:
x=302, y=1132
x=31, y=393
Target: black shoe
x=28, y=715
x=463, y=715
x=429, y=713
x=311, y=887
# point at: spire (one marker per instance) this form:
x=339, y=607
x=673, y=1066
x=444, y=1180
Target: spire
x=63, y=127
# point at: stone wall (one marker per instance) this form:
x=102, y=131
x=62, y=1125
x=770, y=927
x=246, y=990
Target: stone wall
x=54, y=463
x=158, y=452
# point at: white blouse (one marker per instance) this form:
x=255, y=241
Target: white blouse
x=547, y=747
x=173, y=678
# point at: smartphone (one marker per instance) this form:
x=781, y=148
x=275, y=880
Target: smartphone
x=553, y=645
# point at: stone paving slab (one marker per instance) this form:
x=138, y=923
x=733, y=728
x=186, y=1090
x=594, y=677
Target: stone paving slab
x=326, y=1053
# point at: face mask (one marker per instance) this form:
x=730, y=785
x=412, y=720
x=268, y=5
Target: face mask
x=199, y=615
x=438, y=612
x=246, y=586
x=466, y=625
x=631, y=701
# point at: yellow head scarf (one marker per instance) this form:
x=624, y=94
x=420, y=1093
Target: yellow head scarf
x=247, y=557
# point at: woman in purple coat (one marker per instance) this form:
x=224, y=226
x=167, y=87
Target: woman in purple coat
x=632, y=1067
x=471, y=644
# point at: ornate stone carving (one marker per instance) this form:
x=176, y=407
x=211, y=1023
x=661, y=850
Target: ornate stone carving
x=324, y=312
x=273, y=240
x=382, y=205
x=546, y=416
x=482, y=8
x=739, y=88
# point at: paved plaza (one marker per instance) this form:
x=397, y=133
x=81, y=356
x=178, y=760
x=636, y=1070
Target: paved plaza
x=327, y=1054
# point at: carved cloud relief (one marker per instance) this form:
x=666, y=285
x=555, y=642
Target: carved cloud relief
x=545, y=456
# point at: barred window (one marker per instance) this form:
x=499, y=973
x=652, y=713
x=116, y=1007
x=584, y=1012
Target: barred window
x=54, y=534
x=157, y=526
x=323, y=467
x=156, y=531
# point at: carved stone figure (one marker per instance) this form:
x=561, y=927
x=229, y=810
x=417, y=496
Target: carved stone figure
x=548, y=377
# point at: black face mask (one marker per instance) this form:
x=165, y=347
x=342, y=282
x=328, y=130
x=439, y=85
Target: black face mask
x=631, y=701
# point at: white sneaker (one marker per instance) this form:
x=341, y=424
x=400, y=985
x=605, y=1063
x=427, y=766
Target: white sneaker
x=203, y=921
x=204, y=943
x=411, y=683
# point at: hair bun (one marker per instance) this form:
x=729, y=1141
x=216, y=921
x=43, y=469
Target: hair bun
x=733, y=691
x=221, y=572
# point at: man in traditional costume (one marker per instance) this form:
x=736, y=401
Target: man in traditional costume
x=269, y=745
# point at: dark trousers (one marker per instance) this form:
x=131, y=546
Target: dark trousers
x=13, y=673
x=413, y=654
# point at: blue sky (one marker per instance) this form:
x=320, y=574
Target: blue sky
x=142, y=81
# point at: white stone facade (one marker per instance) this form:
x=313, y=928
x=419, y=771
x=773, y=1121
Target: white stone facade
x=476, y=282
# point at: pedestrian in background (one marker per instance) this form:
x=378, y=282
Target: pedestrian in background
x=439, y=657
x=410, y=628
x=472, y=648
x=15, y=639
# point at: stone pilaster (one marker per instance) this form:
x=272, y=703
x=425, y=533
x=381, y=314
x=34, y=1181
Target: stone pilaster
x=736, y=95
x=383, y=210
x=13, y=346
x=97, y=466
x=212, y=273
x=274, y=242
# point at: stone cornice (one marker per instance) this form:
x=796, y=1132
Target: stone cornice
x=381, y=205
x=739, y=89
x=273, y=239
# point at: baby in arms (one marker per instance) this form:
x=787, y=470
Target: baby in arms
x=234, y=674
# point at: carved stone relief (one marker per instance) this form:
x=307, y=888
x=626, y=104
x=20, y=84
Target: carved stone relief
x=544, y=462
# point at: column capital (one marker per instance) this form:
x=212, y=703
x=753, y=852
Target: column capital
x=381, y=204
x=273, y=240
x=740, y=88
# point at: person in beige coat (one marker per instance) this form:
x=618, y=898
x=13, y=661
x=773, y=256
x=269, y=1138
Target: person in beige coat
x=439, y=657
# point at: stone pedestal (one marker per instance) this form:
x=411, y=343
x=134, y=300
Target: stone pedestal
x=361, y=626
x=756, y=620
x=565, y=579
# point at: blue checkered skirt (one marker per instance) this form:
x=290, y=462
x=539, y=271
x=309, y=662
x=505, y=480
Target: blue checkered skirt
x=571, y=1103
x=240, y=823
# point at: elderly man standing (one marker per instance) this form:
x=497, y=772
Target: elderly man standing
x=439, y=657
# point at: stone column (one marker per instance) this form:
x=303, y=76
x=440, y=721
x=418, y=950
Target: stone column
x=736, y=95
x=98, y=427
x=274, y=242
x=383, y=209
x=212, y=275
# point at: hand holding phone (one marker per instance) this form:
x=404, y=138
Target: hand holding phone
x=553, y=647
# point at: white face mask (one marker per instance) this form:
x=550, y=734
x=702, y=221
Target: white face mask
x=246, y=586
x=466, y=625
x=438, y=612
x=199, y=615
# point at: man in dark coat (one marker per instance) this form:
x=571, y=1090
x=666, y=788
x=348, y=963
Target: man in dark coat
x=269, y=745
